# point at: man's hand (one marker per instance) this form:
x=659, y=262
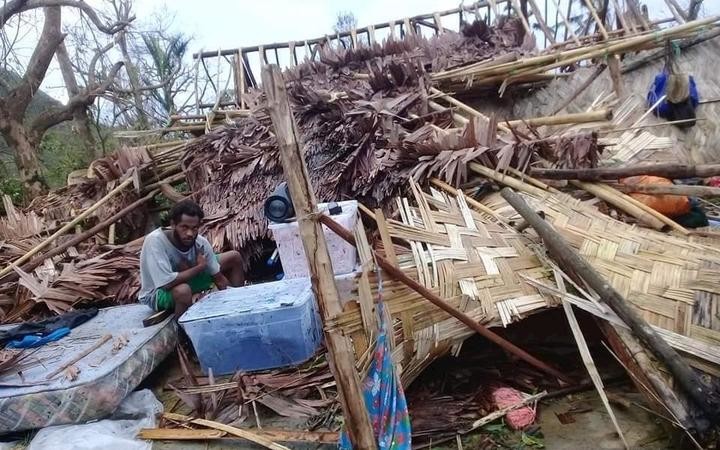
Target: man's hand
x=201, y=260
x=221, y=282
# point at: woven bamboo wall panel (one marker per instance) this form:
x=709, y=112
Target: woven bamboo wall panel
x=474, y=263
x=673, y=281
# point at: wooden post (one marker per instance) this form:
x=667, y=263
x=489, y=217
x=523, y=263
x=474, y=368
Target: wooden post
x=438, y=24
x=340, y=351
x=613, y=61
x=240, y=70
x=572, y=263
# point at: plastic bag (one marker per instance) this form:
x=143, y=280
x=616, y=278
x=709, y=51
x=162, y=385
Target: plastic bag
x=118, y=432
x=670, y=205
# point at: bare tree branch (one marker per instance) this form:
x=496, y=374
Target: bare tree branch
x=83, y=99
x=14, y=7
x=151, y=87
x=93, y=62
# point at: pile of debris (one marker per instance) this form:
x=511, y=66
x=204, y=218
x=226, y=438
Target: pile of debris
x=375, y=127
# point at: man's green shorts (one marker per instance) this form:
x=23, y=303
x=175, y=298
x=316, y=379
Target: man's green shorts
x=198, y=283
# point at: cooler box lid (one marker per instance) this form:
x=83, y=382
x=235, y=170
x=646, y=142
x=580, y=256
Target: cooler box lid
x=250, y=300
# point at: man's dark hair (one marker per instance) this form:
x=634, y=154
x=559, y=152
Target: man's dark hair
x=187, y=208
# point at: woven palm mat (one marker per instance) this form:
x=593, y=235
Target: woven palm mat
x=672, y=281
x=473, y=262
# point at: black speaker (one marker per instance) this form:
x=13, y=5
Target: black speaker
x=279, y=207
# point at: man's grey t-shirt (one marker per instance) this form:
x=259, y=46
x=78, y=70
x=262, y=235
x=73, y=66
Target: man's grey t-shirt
x=160, y=262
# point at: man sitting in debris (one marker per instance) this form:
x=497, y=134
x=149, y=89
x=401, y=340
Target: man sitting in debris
x=176, y=263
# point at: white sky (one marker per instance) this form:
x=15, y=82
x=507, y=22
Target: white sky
x=222, y=24
x=229, y=24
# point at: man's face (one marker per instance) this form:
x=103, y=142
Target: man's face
x=186, y=230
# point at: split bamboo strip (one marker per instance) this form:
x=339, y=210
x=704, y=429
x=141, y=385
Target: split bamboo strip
x=588, y=359
x=99, y=343
x=474, y=203
x=68, y=226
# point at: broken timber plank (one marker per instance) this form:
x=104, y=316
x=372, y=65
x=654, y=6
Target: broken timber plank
x=245, y=434
x=182, y=434
x=340, y=351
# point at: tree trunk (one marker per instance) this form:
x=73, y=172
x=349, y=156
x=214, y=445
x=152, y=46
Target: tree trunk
x=81, y=121
x=24, y=145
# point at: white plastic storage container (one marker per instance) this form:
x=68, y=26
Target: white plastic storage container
x=292, y=252
x=257, y=327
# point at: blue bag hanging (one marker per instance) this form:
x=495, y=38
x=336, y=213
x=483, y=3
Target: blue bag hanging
x=680, y=91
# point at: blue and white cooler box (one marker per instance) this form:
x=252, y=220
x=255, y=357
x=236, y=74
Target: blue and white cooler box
x=258, y=327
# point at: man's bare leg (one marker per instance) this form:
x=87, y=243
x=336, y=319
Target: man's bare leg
x=231, y=267
x=182, y=297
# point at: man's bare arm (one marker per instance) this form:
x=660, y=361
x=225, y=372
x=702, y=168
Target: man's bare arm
x=221, y=281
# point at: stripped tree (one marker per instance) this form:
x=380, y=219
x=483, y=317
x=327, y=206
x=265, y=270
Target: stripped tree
x=23, y=136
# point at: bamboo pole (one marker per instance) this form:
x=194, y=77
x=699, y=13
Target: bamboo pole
x=68, y=226
x=523, y=19
x=621, y=16
x=622, y=202
x=599, y=115
x=463, y=107
x=591, y=367
x=555, y=60
x=676, y=11
x=668, y=189
x=340, y=350
x=541, y=21
x=571, y=262
x=672, y=171
x=435, y=299
x=642, y=206
x=507, y=180
x=79, y=238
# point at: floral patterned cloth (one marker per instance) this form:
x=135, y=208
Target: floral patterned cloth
x=385, y=401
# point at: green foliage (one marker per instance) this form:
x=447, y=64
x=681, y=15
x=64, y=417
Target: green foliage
x=532, y=441
x=61, y=153
x=12, y=187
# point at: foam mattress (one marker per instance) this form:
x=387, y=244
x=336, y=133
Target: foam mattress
x=106, y=376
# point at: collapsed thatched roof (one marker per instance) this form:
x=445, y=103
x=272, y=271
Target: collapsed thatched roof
x=365, y=126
